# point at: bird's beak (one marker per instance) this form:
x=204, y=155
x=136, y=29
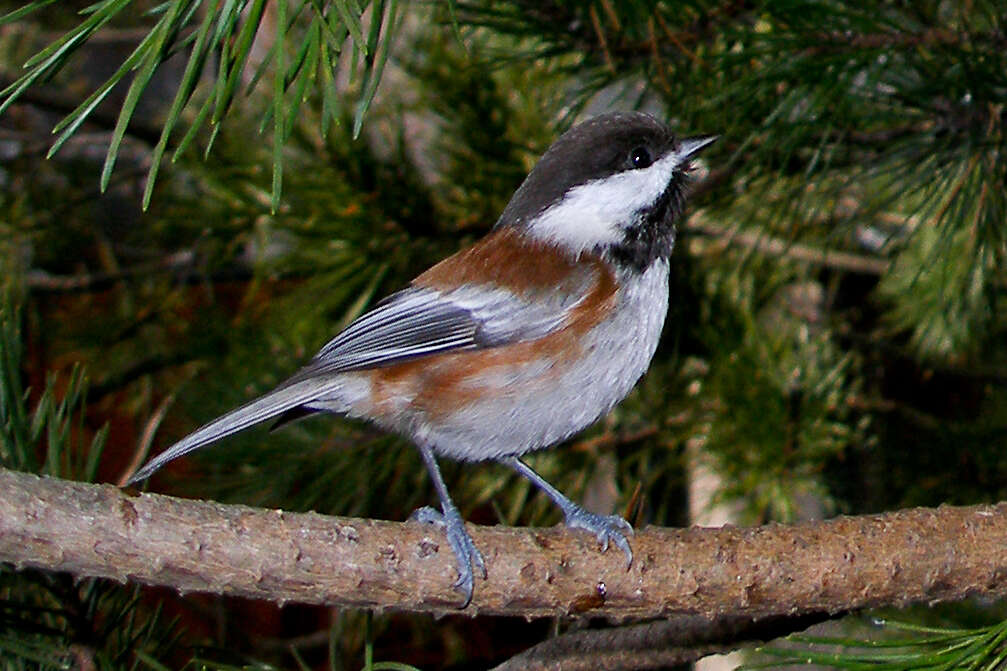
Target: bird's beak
x=691, y=146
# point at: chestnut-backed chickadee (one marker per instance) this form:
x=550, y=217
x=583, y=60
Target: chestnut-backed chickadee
x=520, y=340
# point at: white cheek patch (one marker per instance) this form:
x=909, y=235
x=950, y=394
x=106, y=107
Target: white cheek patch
x=594, y=213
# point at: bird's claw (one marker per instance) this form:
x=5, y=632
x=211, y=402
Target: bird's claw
x=466, y=553
x=606, y=528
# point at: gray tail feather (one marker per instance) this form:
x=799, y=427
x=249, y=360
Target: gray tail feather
x=276, y=402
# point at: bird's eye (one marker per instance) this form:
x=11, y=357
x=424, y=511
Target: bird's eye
x=639, y=157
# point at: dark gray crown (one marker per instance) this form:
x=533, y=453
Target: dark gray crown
x=591, y=150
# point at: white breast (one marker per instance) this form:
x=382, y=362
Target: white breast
x=539, y=407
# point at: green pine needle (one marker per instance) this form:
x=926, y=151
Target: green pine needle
x=228, y=28
x=279, y=85
x=187, y=86
x=152, y=55
x=924, y=648
x=350, y=15
x=18, y=14
x=375, y=67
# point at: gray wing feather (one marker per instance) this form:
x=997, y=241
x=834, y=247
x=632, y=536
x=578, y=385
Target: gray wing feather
x=410, y=323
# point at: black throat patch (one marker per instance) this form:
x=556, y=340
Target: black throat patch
x=652, y=235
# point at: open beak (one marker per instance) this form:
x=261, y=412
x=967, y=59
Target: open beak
x=691, y=146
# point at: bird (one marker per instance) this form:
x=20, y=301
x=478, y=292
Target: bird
x=519, y=341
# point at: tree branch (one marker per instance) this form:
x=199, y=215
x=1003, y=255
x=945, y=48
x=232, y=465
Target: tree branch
x=660, y=644
x=892, y=559
x=772, y=246
x=40, y=281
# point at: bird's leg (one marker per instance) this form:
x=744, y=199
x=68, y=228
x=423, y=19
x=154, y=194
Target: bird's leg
x=461, y=543
x=607, y=528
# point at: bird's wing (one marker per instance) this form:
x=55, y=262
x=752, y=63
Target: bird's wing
x=420, y=321
x=414, y=322
x=410, y=323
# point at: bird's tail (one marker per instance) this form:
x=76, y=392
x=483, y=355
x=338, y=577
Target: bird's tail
x=285, y=397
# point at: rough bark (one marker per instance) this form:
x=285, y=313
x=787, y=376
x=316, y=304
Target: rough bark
x=919, y=555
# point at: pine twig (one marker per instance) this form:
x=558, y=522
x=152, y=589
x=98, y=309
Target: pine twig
x=772, y=246
x=893, y=559
x=678, y=640
x=42, y=282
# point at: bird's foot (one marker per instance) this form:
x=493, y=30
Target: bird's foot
x=607, y=528
x=466, y=553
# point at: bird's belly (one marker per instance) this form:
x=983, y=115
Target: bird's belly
x=506, y=401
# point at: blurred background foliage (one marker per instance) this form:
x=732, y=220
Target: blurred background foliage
x=836, y=341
